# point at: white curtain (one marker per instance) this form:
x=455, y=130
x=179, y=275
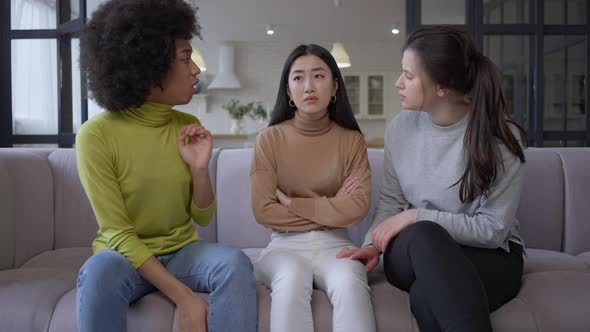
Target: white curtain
x=34, y=69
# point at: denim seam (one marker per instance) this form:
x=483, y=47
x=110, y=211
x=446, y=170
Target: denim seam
x=193, y=275
x=190, y=276
x=210, y=304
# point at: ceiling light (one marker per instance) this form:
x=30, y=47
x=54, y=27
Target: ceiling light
x=270, y=29
x=340, y=55
x=395, y=29
x=198, y=59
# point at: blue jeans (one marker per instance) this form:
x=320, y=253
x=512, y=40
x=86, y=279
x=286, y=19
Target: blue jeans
x=108, y=283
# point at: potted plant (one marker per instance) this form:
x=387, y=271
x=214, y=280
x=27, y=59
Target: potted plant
x=237, y=111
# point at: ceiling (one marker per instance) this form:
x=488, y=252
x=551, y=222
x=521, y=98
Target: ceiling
x=296, y=21
x=299, y=20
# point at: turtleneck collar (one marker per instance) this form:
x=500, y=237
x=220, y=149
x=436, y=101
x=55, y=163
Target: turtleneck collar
x=150, y=114
x=309, y=127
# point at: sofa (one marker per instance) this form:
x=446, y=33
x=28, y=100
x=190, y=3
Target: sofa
x=47, y=226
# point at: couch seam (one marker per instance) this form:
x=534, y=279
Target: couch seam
x=13, y=262
x=578, y=257
x=54, y=195
x=216, y=223
x=563, y=192
x=522, y=299
x=55, y=306
x=551, y=271
x=411, y=315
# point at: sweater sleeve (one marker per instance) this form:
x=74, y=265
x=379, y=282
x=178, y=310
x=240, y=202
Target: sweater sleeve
x=391, y=198
x=96, y=168
x=267, y=210
x=201, y=216
x=344, y=210
x=204, y=216
x=490, y=226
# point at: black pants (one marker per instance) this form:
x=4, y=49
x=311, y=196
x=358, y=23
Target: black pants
x=452, y=287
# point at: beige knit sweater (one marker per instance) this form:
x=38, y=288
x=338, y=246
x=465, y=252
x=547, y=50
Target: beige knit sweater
x=309, y=161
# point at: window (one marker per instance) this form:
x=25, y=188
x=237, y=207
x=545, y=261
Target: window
x=366, y=92
x=42, y=96
x=541, y=44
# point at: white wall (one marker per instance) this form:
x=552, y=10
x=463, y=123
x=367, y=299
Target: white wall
x=258, y=67
x=363, y=29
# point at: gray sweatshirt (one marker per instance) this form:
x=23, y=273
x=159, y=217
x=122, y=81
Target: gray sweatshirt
x=423, y=161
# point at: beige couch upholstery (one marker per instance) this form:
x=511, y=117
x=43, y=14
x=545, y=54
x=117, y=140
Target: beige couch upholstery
x=47, y=225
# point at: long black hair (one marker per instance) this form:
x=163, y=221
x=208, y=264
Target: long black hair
x=450, y=58
x=338, y=111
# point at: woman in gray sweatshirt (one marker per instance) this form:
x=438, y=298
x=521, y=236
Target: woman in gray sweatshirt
x=445, y=221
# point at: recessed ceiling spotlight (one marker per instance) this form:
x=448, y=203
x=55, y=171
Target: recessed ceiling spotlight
x=270, y=29
x=395, y=29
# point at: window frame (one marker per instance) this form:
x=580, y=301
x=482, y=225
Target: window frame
x=474, y=13
x=63, y=34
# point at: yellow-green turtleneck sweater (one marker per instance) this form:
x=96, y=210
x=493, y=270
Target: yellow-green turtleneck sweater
x=139, y=186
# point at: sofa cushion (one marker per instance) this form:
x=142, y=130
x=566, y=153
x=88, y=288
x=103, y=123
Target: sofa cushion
x=26, y=193
x=75, y=222
x=390, y=305
x=28, y=297
x=153, y=312
x=236, y=223
x=7, y=222
x=74, y=258
x=558, y=300
x=576, y=162
x=63, y=259
x=539, y=260
x=540, y=211
x=514, y=316
x=209, y=233
x=534, y=308
x=357, y=232
x=584, y=257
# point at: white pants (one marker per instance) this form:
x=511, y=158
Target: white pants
x=294, y=261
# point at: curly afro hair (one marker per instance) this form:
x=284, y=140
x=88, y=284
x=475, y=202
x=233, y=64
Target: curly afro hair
x=127, y=47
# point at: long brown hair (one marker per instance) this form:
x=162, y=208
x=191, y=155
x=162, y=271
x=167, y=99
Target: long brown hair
x=450, y=59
